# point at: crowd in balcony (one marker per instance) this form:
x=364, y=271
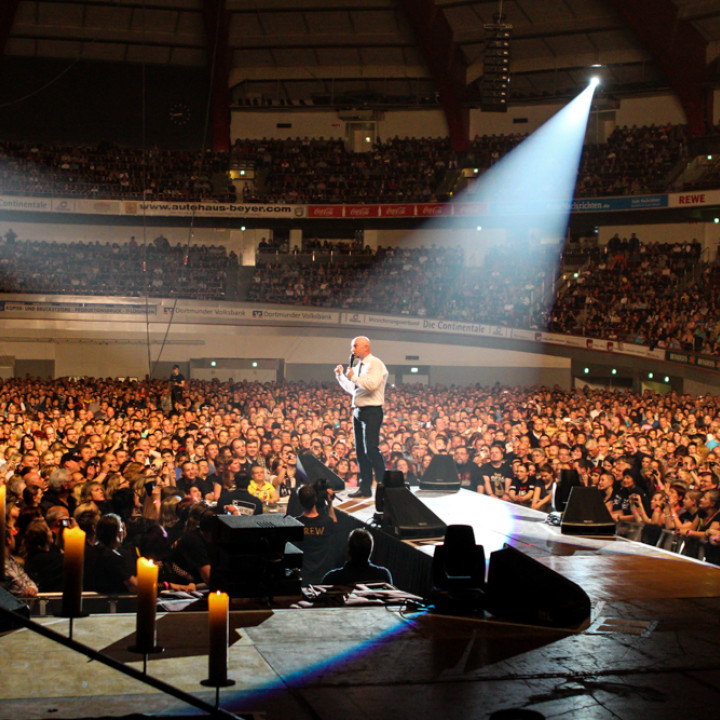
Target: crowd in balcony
x=108, y=172
x=651, y=294
x=315, y=170
x=657, y=295
x=633, y=161
x=131, y=269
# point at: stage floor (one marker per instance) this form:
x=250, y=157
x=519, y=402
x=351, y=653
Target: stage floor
x=651, y=650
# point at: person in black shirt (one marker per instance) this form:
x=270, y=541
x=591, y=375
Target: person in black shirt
x=113, y=568
x=192, y=553
x=177, y=385
x=496, y=474
x=43, y=559
x=247, y=504
x=468, y=471
x=358, y=568
x=319, y=548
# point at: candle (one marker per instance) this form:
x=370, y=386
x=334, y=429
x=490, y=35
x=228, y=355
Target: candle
x=74, y=544
x=218, y=626
x=147, y=577
x=3, y=490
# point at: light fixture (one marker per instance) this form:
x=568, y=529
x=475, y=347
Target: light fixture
x=651, y=375
x=254, y=363
x=413, y=370
x=213, y=363
x=587, y=370
x=479, y=228
x=242, y=228
x=667, y=378
x=614, y=371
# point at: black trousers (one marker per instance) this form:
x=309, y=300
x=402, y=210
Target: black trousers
x=366, y=425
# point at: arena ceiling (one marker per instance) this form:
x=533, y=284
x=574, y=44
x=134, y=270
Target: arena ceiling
x=385, y=52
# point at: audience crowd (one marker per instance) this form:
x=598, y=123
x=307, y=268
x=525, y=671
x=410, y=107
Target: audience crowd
x=634, y=160
x=651, y=294
x=129, y=269
x=141, y=476
x=109, y=171
x=658, y=295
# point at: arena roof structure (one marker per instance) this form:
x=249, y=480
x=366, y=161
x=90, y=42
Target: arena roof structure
x=389, y=53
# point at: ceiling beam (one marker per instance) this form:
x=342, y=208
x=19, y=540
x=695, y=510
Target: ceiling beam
x=217, y=24
x=679, y=50
x=446, y=62
x=8, y=9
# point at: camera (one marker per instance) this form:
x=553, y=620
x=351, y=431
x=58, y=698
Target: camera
x=320, y=487
x=64, y=522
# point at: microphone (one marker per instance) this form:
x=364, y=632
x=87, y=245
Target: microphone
x=352, y=358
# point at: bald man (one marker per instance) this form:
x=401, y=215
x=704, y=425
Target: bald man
x=365, y=380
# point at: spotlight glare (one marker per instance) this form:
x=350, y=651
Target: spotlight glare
x=594, y=81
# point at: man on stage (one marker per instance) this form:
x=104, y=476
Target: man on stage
x=366, y=383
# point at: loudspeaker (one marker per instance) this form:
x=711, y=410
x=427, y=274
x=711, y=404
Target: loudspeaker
x=586, y=514
x=407, y=517
x=569, y=479
x=495, y=88
x=441, y=474
x=521, y=589
x=391, y=478
x=9, y=602
x=314, y=469
x=255, y=555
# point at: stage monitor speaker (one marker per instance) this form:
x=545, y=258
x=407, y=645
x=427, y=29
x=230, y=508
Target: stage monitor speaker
x=441, y=474
x=569, y=479
x=586, y=514
x=315, y=469
x=521, y=589
x=11, y=603
x=391, y=478
x=407, y=517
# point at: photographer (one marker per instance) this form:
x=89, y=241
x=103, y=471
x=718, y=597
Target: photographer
x=627, y=496
x=319, y=547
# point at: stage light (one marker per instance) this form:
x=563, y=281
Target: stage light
x=413, y=370
x=213, y=363
x=716, y=220
x=242, y=228
x=667, y=379
x=709, y=157
x=594, y=81
x=254, y=363
x=587, y=371
x=479, y=228
x=651, y=375
x=614, y=371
